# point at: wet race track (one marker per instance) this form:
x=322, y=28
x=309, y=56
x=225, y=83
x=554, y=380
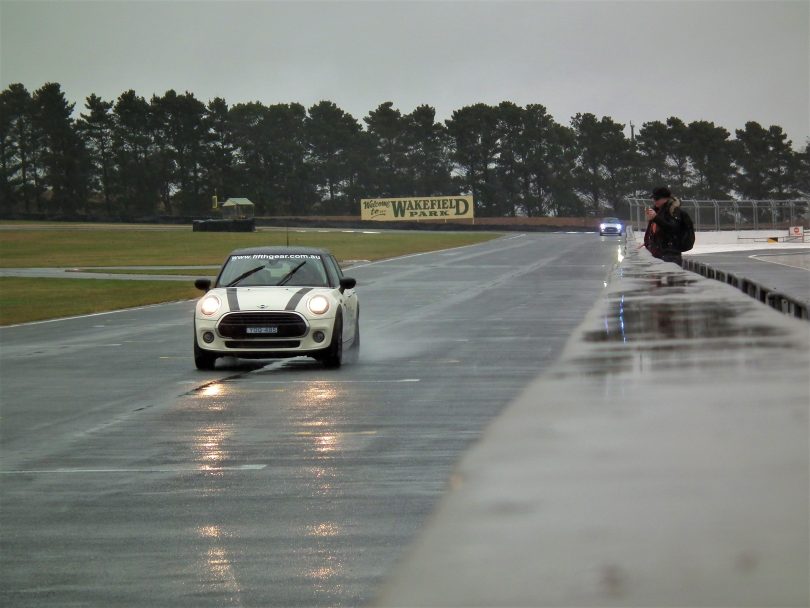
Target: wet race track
x=131, y=479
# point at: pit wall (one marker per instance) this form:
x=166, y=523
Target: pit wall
x=740, y=240
x=748, y=237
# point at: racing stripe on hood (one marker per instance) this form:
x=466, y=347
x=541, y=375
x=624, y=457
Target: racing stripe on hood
x=233, y=301
x=293, y=303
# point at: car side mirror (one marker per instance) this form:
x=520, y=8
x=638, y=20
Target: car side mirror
x=347, y=283
x=203, y=284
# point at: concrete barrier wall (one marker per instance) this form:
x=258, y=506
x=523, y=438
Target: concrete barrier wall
x=742, y=237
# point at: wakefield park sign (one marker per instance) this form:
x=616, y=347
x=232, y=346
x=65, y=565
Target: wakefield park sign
x=434, y=207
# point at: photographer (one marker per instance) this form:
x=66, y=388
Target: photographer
x=664, y=226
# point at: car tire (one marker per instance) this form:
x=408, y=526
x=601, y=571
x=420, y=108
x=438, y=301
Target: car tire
x=203, y=359
x=334, y=354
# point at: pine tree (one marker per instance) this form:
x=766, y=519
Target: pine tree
x=180, y=137
x=802, y=176
x=474, y=135
x=219, y=151
x=96, y=128
x=331, y=135
x=63, y=154
x=8, y=154
x=604, y=170
x=427, y=159
x=652, y=143
x=386, y=126
x=709, y=151
x=551, y=161
x=138, y=176
x=22, y=145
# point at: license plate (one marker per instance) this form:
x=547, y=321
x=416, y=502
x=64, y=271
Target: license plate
x=262, y=330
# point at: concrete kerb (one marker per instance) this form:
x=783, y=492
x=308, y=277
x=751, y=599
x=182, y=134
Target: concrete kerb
x=662, y=461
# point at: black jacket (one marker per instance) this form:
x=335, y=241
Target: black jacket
x=664, y=230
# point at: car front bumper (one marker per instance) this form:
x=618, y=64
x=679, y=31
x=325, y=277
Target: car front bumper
x=209, y=338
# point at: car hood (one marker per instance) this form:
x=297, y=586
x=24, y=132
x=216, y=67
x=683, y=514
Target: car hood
x=267, y=298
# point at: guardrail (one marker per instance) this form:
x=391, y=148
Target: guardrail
x=774, y=299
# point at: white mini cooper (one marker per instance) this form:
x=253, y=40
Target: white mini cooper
x=276, y=302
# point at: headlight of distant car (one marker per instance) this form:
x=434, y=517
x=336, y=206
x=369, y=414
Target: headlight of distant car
x=209, y=305
x=601, y=226
x=318, y=305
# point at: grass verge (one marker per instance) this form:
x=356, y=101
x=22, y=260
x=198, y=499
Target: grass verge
x=179, y=246
x=210, y=271
x=23, y=300
x=29, y=246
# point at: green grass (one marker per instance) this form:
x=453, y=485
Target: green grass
x=27, y=245
x=210, y=271
x=24, y=246
x=23, y=300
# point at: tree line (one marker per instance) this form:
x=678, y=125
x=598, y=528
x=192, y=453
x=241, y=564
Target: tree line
x=133, y=158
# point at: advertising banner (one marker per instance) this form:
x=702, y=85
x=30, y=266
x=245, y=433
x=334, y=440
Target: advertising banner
x=417, y=208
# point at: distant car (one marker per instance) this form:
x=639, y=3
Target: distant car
x=277, y=302
x=611, y=225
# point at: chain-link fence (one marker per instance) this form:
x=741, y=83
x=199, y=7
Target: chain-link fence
x=734, y=214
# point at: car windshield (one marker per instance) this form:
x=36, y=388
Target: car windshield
x=269, y=270
x=611, y=220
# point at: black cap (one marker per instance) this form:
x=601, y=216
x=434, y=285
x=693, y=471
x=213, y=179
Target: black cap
x=662, y=192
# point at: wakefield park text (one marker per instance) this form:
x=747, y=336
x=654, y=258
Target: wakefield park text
x=386, y=209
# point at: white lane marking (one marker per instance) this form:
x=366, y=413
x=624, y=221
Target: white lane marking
x=335, y=381
x=200, y=469
x=416, y=255
x=761, y=257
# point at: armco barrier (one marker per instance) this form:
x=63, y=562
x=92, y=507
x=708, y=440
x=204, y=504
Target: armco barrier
x=212, y=225
x=778, y=301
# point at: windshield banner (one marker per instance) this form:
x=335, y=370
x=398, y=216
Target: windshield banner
x=434, y=207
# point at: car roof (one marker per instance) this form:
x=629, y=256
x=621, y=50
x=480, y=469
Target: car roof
x=611, y=219
x=280, y=251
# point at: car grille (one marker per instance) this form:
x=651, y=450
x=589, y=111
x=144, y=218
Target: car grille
x=611, y=230
x=262, y=325
x=269, y=344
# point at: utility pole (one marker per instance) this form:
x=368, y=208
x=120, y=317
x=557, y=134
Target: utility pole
x=635, y=190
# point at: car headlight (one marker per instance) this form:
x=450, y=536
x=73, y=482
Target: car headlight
x=601, y=226
x=209, y=305
x=318, y=305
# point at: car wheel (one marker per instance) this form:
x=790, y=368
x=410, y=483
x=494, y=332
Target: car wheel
x=334, y=354
x=203, y=359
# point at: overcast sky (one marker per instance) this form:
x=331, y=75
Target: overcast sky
x=723, y=61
